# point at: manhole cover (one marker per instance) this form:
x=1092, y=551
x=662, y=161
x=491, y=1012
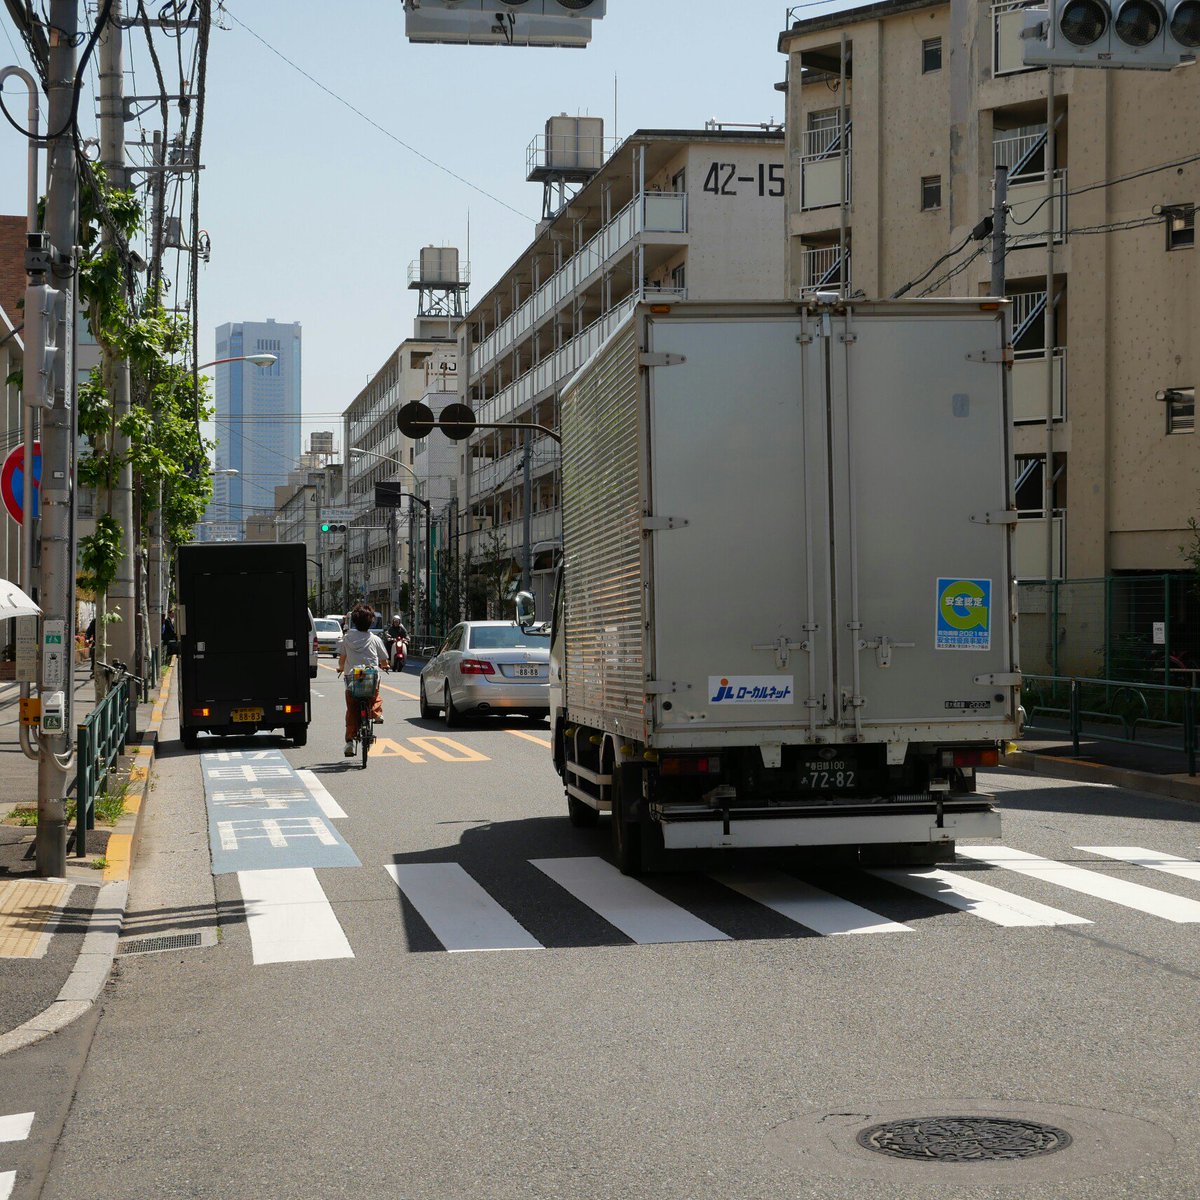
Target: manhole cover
x=963, y=1139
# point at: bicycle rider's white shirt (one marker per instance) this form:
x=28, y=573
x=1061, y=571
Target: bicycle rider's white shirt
x=362, y=648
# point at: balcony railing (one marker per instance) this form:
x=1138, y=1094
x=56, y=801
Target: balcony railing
x=1029, y=214
x=491, y=475
x=825, y=171
x=1008, y=53
x=1029, y=545
x=823, y=267
x=545, y=526
x=1016, y=152
x=649, y=212
x=556, y=366
x=1029, y=385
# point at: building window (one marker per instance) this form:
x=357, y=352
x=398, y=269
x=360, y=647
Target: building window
x=679, y=181
x=1181, y=409
x=931, y=192
x=1181, y=225
x=679, y=277
x=931, y=55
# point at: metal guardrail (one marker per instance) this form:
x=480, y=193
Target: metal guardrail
x=1117, y=703
x=100, y=739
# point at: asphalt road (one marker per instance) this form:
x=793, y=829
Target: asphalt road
x=740, y=1060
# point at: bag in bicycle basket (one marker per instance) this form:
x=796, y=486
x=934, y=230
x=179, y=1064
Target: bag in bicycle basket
x=362, y=682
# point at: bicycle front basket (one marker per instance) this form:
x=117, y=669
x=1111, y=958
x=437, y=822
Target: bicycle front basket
x=362, y=682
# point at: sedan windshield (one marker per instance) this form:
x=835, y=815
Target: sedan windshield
x=506, y=637
x=324, y=626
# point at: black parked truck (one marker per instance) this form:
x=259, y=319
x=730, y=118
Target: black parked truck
x=243, y=639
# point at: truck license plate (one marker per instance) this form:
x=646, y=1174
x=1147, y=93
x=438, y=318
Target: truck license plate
x=245, y=715
x=833, y=776
x=529, y=672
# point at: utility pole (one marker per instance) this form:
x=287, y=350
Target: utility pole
x=527, y=521
x=121, y=597
x=157, y=605
x=999, y=231
x=57, y=592
x=394, y=584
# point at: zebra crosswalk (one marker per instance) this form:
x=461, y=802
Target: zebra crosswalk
x=462, y=915
x=542, y=903
x=14, y=1127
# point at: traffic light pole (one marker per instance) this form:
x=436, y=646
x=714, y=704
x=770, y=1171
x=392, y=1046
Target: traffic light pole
x=1048, y=338
x=56, y=594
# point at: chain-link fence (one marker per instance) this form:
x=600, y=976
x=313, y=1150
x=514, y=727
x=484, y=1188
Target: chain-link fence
x=1140, y=628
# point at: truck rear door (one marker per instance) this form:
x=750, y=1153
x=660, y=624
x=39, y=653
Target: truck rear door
x=738, y=548
x=920, y=486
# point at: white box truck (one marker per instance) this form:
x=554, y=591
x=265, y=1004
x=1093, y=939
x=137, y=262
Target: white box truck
x=785, y=614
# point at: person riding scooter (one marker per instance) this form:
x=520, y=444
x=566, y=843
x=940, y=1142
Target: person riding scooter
x=397, y=639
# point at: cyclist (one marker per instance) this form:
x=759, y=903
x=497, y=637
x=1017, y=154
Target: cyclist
x=360, y=647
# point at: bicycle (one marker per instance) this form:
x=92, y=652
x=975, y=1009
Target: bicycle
x=363, y=684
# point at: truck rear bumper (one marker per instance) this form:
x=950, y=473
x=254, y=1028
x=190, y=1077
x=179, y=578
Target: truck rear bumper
x=878, y=829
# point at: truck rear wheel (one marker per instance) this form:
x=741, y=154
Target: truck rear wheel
x=298, y=734
x=190, y=738
x=626, y=833
x=581, y=815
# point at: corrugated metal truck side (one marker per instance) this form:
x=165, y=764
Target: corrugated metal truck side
x=785, y=615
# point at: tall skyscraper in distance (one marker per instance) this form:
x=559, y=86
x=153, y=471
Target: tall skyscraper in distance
x=257, y=417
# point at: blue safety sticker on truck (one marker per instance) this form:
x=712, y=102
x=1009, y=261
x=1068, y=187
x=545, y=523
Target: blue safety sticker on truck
x=751, y=689
x=964, y=614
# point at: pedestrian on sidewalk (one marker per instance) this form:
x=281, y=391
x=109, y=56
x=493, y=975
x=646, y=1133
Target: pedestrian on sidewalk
x=170, y=642
x=89, y=636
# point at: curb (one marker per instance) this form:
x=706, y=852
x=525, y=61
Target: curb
x=1082, y=770
x=92, y=968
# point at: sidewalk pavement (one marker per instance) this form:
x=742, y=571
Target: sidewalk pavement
x=58, y=938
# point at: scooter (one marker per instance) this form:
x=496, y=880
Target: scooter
x=399, y=653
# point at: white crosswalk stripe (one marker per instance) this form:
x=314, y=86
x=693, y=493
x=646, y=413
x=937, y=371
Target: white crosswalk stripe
x=1091, y=883
x=1185, y=868
x=14, y=1127
x=290, y=918
x=636, y=910
x=977, y=898
x=461, y=914
x=807, y=905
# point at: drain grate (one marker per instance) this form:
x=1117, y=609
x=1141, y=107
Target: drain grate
x=963, y=1139
x=149, y=945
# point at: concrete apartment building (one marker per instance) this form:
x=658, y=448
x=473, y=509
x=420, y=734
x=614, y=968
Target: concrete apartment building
x=670, y=214
x=377, y=544
x=936, y=96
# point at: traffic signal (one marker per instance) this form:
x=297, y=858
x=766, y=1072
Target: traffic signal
x=333, y=527
x=1154, y=35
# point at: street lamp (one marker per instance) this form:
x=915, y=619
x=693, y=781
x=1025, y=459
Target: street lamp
x=259, y=360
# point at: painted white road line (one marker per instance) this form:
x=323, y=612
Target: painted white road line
x=1185, y=868
x=807, y=905
x=8, y=1180
x=16, y=1127
x=636, y=910
x=316, y=789
x=461, y=914
x=1090, y=883
x=979, y=899
x=290, y=918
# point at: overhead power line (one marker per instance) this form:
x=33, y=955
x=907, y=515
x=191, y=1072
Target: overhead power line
x=371, y=121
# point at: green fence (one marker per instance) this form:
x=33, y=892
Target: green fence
x=1131, y=628
x=100, y=740
x=1113, y=710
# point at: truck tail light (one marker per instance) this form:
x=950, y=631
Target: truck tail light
x=201, y=712
x=476, y=666
x=989, y=757
x=289, y=708
x=690, y=764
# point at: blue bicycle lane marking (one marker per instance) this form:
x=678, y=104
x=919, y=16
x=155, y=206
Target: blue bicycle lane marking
x=262, y=817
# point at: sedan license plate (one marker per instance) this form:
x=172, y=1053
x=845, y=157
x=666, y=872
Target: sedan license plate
x=246, y=715
x=834, y=776
x=529, y=672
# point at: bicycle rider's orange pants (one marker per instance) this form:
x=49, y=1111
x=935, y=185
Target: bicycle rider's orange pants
x=352, y=713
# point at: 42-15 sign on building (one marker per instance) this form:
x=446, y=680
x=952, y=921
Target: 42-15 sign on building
x=764, y=179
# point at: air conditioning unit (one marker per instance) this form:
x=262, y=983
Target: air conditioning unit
x=502, y=22
x=591, y=9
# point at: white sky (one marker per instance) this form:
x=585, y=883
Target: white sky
x=314, y=214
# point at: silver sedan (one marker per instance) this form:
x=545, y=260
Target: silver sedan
x=488, y=668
